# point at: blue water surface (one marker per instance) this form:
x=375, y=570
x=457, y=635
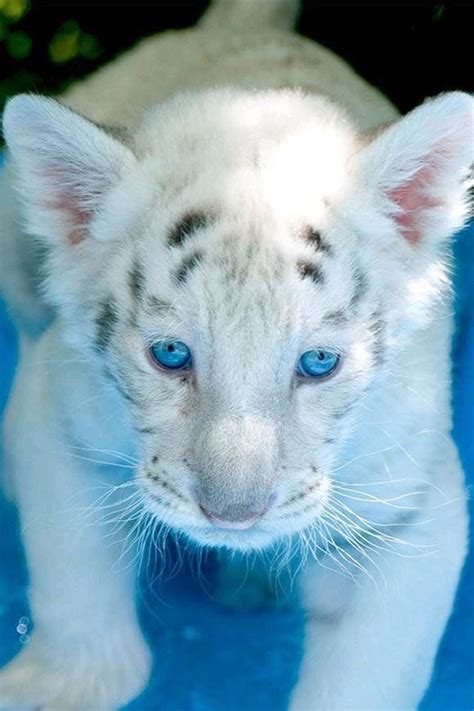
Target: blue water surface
x=209, y=658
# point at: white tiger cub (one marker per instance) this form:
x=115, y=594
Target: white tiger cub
x=249, y=292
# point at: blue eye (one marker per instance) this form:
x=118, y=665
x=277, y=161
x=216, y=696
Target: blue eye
x=171, y=354
x=317, y=364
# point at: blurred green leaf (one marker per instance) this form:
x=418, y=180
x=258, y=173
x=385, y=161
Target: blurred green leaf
x=14, y=10
x=19, y=45
x=65, y=44
x=89, y=47
x=70, y=42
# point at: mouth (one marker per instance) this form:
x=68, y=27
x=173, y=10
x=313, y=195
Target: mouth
x=241, y=536
x=197, y=527
x=231, y=525
x=253, y=538
x=246, y=520
x=282, y=519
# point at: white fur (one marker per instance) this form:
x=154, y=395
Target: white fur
x=365, y=457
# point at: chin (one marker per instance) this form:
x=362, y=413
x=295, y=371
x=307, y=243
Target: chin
x=252, y=539
x=263, y=535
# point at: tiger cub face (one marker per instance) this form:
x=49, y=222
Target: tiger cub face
x=245, y=267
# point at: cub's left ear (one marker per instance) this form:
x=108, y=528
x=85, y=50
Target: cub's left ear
x=419, y=167
x=65, y=166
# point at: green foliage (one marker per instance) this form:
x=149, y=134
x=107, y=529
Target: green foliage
x=38, y=54
x=70, y=42
x=19, y=44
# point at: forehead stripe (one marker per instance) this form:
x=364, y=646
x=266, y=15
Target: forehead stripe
x=154, y=303
x=187, y=266
x=314, y=238
x=338, y=317
x=311, y=271
x=190, y=223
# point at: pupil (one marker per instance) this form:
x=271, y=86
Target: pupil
x=320, y=355
x=170, y=348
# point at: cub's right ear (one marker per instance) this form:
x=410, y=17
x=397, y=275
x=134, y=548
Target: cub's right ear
x=65, y=166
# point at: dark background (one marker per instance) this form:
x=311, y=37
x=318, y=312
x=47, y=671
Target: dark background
x=411, y=50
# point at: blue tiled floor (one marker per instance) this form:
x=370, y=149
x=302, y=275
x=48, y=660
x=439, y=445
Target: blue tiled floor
x=209, y=658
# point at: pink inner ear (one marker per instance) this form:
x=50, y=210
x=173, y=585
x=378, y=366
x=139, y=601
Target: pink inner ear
x=78, y=216
x=413, y=200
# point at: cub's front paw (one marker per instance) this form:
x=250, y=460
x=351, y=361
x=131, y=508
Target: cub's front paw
x=80, y=679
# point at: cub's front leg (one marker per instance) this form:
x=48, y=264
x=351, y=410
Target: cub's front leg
x=87, y=650
x=372, y=648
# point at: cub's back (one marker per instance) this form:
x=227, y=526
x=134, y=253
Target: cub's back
x=200, y=57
